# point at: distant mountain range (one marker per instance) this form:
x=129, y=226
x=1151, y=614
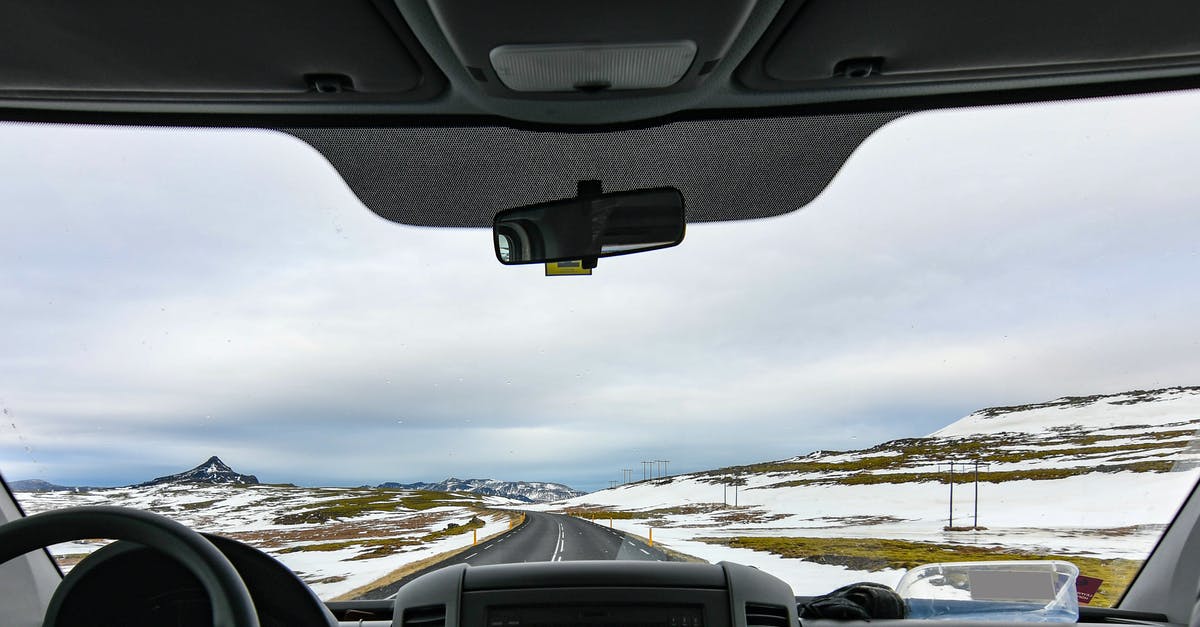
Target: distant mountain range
x=525, y=491
x=215, y=472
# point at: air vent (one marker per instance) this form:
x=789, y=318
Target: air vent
x=761, y=615
x=427, y=616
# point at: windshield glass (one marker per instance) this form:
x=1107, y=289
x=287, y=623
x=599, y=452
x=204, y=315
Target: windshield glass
x=976, y=344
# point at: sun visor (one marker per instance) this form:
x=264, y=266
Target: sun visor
x=224, y=50
x=819, y=44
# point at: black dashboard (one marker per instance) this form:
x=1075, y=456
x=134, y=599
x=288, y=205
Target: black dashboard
x=596, y=594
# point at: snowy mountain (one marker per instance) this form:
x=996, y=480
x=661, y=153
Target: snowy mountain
x=1047, y=473
x=212, y=471
x=1140, y=431
x=525, y=491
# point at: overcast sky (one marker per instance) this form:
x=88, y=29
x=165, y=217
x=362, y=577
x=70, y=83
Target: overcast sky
x=167, y=295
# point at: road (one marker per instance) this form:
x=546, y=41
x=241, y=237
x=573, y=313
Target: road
x=544, y=538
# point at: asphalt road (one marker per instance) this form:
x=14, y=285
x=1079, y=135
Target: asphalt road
x=544, y=538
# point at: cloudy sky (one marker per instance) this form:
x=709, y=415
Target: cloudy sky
x=167, y=295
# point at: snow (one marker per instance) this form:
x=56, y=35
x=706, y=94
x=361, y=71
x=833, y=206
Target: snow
x=1110, y=411
x=1084, y=514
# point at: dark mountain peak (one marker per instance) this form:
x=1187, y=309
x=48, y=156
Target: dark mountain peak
x=211, y=471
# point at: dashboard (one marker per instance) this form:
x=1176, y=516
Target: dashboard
x=128, y=585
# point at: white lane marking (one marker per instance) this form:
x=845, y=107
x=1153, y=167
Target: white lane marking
x=471, y=555
x=644, y=551
x=487, y=548
x=556, y=556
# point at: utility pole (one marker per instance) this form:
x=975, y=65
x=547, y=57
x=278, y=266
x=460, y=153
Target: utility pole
x=951, y=464
x=667, y=466
x=626, y=475
x=951, y=494
x=611, y=484
x=976, y=519
x=646, y=470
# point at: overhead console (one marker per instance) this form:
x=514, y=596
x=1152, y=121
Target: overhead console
x=397, y=63
x=968, y=46
x=596, y=594
x=549, y=49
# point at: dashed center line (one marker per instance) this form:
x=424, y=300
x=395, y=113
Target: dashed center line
x=471, y=555
x=556, y=556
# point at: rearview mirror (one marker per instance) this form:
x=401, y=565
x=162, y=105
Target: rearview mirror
x=590, y=226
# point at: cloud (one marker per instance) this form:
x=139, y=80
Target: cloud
x=172, y=294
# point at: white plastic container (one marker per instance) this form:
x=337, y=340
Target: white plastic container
x=1026, y=591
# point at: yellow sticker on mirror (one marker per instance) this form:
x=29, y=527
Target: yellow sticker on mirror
x=567, y=268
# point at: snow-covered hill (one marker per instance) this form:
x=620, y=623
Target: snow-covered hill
x=212, y=471
x=37, y=485
x=524, y=491
x=1097, y=475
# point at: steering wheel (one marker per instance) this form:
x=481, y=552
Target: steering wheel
x=227, y=593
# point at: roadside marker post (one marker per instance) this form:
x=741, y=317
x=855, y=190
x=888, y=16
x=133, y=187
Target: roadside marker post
x=474, y=537
x=651, y=536
x=610, y=522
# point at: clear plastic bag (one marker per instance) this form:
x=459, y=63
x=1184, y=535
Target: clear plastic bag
x=1026, y=591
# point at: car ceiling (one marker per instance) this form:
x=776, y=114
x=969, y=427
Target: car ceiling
x=571, y=85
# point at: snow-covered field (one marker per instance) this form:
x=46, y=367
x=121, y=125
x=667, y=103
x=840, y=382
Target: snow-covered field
x=1097, y=477
x=336, y=539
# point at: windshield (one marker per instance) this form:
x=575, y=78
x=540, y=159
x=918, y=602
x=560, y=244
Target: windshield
x=979, y=343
